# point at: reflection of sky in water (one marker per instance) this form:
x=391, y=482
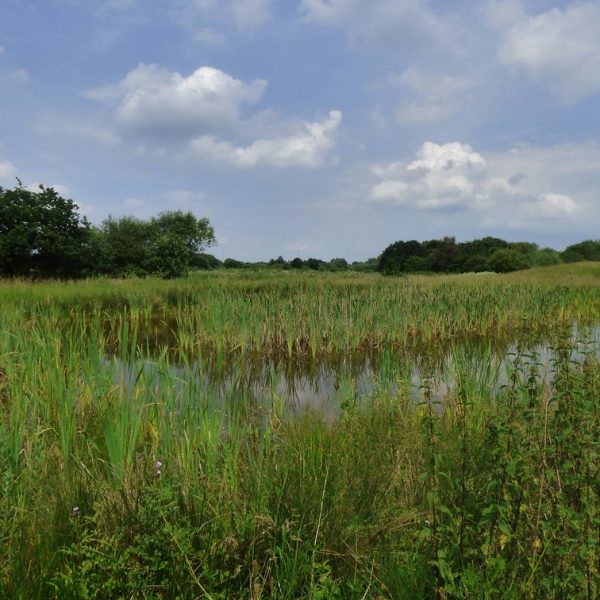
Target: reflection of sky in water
x=327, y=384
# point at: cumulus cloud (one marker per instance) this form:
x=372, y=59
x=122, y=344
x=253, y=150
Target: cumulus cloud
x=453, y=176
x=153, y=100
x=202, y=111
x=399, y=20
x=552, y=205
x=307, y=147
x=559, y=48
x=441, y=176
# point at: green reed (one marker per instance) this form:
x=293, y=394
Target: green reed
x=139, y=463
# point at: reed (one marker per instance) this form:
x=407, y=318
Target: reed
x=159, y=439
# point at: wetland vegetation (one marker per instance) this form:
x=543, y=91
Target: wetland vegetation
x=286, y=434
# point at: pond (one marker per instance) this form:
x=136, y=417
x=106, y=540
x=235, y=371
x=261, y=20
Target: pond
x=329, y=383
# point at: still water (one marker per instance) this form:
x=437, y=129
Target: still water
x=331, y=382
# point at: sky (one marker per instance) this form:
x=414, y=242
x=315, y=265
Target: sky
x=325, y=128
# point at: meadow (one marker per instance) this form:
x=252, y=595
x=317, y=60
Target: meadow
x=301, y=435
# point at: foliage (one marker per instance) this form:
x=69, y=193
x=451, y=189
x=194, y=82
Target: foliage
x=205, y=262
x=507, y=260
x=166, y=245
x=586, y=250
x=447, y=256
x=42, y=235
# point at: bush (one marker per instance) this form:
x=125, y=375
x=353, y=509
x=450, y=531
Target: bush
x=507, y=260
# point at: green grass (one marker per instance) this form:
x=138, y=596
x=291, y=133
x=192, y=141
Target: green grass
x=487, y=492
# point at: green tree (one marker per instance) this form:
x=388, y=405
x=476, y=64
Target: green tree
x=42, y=235
x=473, y=256
x=232, y=263
x=314, y=263
x=586, y=250
x=124, y=247
x=168, y=245
x=393, y=259
x=506, y=260
x=175, y=239
x=545, y=257
x=205, y=262
x=441, y=255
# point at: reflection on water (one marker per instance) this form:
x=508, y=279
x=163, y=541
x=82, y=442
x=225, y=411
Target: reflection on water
x=330, y=382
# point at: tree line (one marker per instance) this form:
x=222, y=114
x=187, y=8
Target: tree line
x=42, y=235
x=486, y=254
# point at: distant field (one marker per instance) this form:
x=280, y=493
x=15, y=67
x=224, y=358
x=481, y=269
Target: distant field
x=273, y=434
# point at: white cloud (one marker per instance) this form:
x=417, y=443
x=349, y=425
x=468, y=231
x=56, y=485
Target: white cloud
x=454, y=177
x=441, y=176
x=153, y=100
x=202, y=111
x=409, y=21
x=8, y=172
x=306, y=147
x=559, y=48
x=552, y=205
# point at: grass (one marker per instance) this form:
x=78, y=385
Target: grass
x=111, y=402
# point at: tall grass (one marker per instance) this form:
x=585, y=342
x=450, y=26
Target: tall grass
x=129, y=469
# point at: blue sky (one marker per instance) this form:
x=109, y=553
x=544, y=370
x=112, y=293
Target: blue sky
x=311, y=127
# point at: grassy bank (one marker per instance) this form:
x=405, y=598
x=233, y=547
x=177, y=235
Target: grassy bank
x=127, y=473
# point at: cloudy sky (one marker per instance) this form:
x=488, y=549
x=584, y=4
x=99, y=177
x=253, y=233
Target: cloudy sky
x=311, y=127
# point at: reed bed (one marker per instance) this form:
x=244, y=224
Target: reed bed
x=128, y=471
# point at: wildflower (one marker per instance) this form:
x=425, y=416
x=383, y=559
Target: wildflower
x=75, y=511
x=158, y=465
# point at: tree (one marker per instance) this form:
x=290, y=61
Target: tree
x=314, y=263
x=338, y=264
x=175, y=238
x=124, y=247
x=586, y=250
x=506, y=260
x=205, y=262
x=232, y=263
x=42, y=235
x=279, y=263
x=545, y=257
x=393, y=259
x=473, y=256
x=441, y=254
x=167, y=245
